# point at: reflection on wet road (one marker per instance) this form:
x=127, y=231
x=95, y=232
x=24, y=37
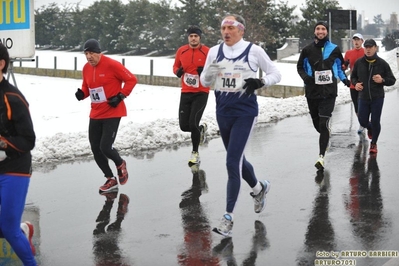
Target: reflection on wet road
x=106, y=235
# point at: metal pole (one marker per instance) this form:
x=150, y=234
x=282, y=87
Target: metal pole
x=350, y=29
x=151, y=70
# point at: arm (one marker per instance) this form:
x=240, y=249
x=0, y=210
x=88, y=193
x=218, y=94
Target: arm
x=271, y=74
x=177, y=66
x=129, y=79
x=388, y=77
x=354, y=74
x=300, y=66
x=211, y=57
x=22, y=136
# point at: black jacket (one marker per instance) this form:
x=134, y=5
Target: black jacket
x=16, y=130
x=314, y=58
x=363, y=71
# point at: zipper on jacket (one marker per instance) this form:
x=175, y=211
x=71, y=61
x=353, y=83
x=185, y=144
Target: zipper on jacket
x=370, y=77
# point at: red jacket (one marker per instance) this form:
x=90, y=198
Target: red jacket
x=104, y=81
x=190, y=59
x=352, y=56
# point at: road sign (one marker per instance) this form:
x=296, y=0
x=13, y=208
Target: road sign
x=17, y=27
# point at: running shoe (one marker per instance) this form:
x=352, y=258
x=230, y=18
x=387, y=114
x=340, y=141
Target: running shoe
x=195, y=158
x=373, y=148
x=122, y=173
x=28, y=230
x=320, y=163
x=260, y=198
x=203, y=130
x=225, y=227
x=110, y=185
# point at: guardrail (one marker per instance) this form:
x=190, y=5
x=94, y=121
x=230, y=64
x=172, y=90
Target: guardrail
x=277, y=91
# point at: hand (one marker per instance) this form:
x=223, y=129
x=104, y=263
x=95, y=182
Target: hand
x=359, y=86
x=212, y=71
x=347, y=83
x=308, y=80
x=199, y=70
x=115, y=100
x=179, y=72
x=79, y=94
x=251, y=85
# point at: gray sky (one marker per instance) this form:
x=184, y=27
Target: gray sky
x=371, y=8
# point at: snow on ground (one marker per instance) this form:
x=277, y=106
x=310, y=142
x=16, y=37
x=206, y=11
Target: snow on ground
x=61, y=121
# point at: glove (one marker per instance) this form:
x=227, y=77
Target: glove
x=79, y=94
x=308, y=80
x=346, y=82
x=251, y=85
x=212, y=71
x=179, y=72
x=115, y=100
x=199, y=70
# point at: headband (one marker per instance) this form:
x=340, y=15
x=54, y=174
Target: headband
x=229, y=22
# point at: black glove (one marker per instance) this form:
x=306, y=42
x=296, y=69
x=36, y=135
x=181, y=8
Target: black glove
x=199, y=70
x=309, y=80
x=346, y=82
x=79, y=94
x=251, y=85
x=179, y=72
x=115, y=100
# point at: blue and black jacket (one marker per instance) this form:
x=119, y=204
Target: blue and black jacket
x=315, y=58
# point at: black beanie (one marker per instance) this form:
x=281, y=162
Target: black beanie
x=92, y=46
x=194, y=29
x=321, y=23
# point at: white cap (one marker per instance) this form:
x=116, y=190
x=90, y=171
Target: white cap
x=357, y=35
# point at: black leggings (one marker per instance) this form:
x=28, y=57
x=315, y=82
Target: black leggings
x=102, y=134
x=321, y=110
x=192, y=106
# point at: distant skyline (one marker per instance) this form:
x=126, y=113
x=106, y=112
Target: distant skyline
x=371, y=8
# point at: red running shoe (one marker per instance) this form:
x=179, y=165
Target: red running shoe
x=122, y=173
x=28, y=230
x=373, y=148
x=110, y=185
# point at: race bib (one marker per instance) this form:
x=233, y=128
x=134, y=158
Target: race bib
x=191, y=80
x=97, y=95
x=229, y=80
x=323, y=77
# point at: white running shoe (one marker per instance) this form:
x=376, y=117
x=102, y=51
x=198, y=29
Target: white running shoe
x=225, y=227
x=260, y=199
x=195, y=158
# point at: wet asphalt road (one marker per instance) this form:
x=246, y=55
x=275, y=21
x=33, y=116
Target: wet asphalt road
x=165, y=213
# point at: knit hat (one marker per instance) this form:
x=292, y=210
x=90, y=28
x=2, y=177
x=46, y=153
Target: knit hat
x=92, y=45
x=321, y=23
x=194, y=30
